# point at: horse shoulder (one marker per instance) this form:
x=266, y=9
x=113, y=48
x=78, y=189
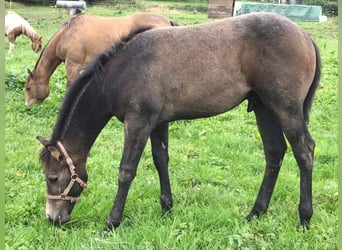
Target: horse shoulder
x=74, y=47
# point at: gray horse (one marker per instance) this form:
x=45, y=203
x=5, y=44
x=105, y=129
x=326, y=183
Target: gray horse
x=169, y=74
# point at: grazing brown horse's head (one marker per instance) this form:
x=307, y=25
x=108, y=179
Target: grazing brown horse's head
x=64, y=182
x=35, y=91
x=37, y=44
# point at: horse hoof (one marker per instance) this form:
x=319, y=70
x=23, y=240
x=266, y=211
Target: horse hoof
x=250, y=216
x=254, y=213
x=304, y=225
x=111, y=225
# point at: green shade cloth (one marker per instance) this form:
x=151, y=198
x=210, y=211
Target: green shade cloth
x=300, y=13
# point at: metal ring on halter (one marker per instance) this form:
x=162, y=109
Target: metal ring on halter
x=73, y=178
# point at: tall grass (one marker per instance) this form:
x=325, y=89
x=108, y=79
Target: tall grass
x=216, y=167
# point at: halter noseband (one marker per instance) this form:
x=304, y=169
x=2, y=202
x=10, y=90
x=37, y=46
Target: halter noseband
x=73, y=178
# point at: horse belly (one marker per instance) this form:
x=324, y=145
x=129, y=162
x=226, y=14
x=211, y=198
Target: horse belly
x=197, y=97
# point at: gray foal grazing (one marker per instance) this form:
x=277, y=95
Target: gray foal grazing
x=175, y=73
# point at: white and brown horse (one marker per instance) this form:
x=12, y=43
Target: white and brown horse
x=78, y=42
x=15, y=25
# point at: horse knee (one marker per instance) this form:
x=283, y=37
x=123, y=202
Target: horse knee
x=275, y=155
x=126, y=176
x=311, y=146
x=306, y=158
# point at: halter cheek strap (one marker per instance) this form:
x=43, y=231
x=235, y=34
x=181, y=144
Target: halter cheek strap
x=73, y=178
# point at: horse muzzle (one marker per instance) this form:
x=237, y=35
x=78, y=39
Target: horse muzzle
x=58, y=212
x=32, y=101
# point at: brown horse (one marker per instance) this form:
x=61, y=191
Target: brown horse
x=77, y=43
x=169, y=74
x=15, y=25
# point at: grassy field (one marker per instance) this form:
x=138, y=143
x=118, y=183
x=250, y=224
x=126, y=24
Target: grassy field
x=216, y=165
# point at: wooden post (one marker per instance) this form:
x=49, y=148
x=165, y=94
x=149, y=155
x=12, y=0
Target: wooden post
x=220, y=8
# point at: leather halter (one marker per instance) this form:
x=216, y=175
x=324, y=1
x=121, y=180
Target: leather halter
x=73, y=178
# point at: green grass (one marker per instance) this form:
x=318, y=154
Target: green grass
x=216, y=167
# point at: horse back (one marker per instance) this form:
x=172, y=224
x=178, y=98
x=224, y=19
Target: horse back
x=182, y=68
x=88, y=35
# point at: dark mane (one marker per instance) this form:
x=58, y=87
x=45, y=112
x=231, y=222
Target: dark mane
x=77, y=88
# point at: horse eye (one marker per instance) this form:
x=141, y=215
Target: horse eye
x=52, y=178
x=28, y=89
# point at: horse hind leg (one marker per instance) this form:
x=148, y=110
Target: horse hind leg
x=274, y=149
x=289, y=113
x=159, y=142
x=295, y=130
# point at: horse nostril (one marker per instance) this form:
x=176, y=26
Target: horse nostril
x=52, y=178
x=54, y=221
x=49, y=218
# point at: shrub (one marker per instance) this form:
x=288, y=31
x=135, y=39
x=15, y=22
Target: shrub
x=329, y=8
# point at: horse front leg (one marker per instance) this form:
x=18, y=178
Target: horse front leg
x=11, y=40
x=274, y=149
x=159, y=142
x=72, y=71
x=136, y=135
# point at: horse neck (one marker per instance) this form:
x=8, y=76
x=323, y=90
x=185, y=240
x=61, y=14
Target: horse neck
x=27, y=30
x=85, y=119
x=48, y=60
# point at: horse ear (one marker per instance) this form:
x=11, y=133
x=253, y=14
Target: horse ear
x=53, y=150
x=55, y=153
x=42, y=140
x=29, y=72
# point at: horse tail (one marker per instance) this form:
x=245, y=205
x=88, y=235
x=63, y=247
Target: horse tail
x=309, y=97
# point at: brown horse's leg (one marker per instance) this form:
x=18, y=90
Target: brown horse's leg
x=72, y=72
x=274, y=149
x=159, y=142
x=137, y=132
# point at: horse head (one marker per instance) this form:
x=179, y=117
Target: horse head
x=35, y=90
x=37, y=44
x=64, y=182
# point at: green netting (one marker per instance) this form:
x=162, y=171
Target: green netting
x=301, y=13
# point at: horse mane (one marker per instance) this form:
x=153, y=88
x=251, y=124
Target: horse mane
x=71, y=20
x=28, y=30
x=79, y=86
x=64, y=25
x=42, y=52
